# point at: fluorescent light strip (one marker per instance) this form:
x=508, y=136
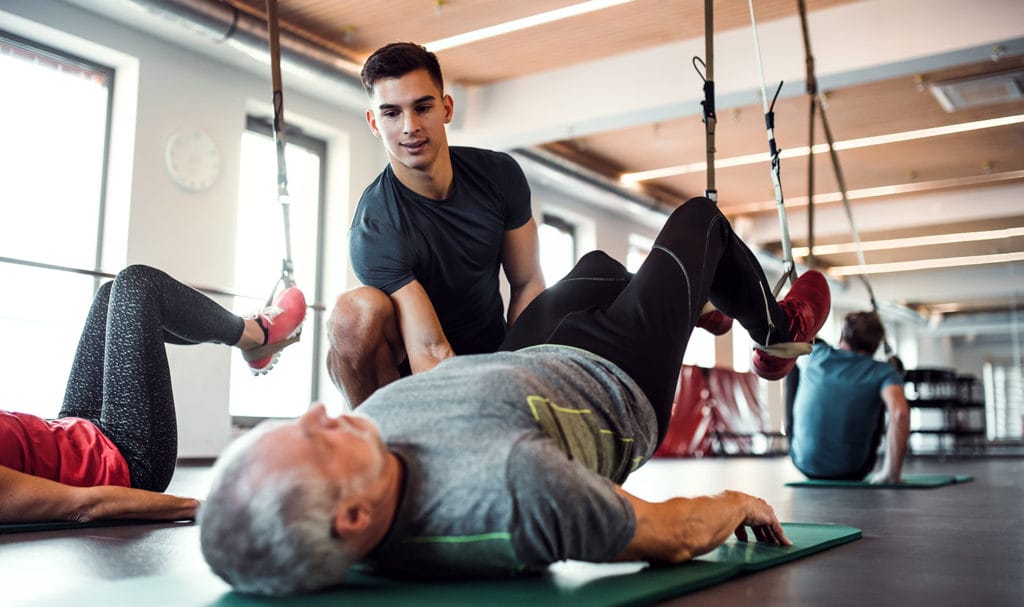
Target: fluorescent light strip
x=944, y=308
x=889, y=190
x=520, y=24
x=903, y=243
x=697, y=167
x=924, y=264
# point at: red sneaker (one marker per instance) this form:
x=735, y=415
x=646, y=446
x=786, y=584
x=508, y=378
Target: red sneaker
x=283, y=323
x=713, y=321
x=806, y=305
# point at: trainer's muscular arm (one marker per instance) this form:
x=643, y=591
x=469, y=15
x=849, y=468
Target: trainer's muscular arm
x=425, y=341
x=520, y=258
x=681, y=528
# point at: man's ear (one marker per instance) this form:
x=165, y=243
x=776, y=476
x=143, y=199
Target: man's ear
x=371, y=120
x=449, y=108
x=351, y=519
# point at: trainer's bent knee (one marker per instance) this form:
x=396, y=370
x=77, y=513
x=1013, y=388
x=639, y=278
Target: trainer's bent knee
x=357, y=313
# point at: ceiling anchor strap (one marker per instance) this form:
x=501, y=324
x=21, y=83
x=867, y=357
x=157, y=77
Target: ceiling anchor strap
x=273, y=38
x=817, y=102
x=710, y=118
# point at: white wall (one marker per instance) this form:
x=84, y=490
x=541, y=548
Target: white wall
x=162, y=88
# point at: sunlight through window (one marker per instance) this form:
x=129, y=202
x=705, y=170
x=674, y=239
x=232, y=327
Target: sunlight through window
x=287, y=390
x=557, y=248
x=53, y=161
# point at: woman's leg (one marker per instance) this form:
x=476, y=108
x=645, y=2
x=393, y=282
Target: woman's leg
x=83, y=396
x=645, y=330
x=146, y=307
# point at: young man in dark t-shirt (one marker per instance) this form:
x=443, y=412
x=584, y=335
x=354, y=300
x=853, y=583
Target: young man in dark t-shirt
x=428, y=237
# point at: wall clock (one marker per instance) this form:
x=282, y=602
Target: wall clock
x=193, y=160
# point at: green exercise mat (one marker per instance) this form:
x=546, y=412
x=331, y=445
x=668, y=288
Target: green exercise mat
x=7, y=528
x=910, y=481
x=572, y=584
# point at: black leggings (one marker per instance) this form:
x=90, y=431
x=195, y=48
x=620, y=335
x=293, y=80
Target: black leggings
x=642, y=322
x=120, y=380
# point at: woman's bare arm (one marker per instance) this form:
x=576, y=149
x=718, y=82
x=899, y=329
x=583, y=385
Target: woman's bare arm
x=25, y=498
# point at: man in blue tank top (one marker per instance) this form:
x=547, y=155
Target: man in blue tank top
x=428, y=237
x=840, y=407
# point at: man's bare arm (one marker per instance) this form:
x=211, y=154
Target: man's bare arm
x=520, y=258
x=895, y=437
x=680, y=529
x=425, y=342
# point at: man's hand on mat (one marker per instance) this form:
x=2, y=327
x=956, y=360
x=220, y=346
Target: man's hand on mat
x=884, y=478
x=682, y=528
x=762, y=520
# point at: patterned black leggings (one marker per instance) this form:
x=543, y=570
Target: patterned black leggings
x=642, y=322
x=120, y=380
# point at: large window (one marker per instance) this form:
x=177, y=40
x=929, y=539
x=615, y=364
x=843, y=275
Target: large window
x=557, y=248
x=288, y=390
x=55, y=138
x=1004, y=400
x=639, y=248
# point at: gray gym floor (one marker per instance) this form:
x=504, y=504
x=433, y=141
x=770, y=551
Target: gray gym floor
x=953, y=545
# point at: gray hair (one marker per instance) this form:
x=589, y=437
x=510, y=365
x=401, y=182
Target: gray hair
x=270, y=532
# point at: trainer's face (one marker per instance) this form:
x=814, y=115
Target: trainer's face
x=409, y=114
x=347, y=449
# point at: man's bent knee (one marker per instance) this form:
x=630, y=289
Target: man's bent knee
x=358, y=314
x=365, y=343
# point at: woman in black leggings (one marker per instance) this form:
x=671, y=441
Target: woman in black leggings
x=113, y=446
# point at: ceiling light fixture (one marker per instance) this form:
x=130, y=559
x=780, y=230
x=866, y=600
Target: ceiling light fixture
x=924, y=264
x=917, y=241
x=520, y=24
x=697, y=167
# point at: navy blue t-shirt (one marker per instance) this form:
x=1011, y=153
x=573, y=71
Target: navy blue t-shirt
x=451, y=246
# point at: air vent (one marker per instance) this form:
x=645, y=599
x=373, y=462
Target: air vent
x=988, y=89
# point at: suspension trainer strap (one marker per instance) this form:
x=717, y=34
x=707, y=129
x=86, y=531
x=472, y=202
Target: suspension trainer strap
x=812, y=93
x=818, y=102
x=708, y=105
x=279, y=140
x=841, y=180
x=789, y=268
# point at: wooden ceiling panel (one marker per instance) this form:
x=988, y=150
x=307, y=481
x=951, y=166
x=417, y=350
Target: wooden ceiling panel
x=855, y=112
x=873, y=108
x=359, y=27
x=363, y=26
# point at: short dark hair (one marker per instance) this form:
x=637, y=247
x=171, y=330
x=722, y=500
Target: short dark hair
x=863, y=332
x=398, y=59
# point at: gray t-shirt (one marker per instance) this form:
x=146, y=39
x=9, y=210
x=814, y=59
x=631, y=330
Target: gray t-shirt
x=511, y=461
